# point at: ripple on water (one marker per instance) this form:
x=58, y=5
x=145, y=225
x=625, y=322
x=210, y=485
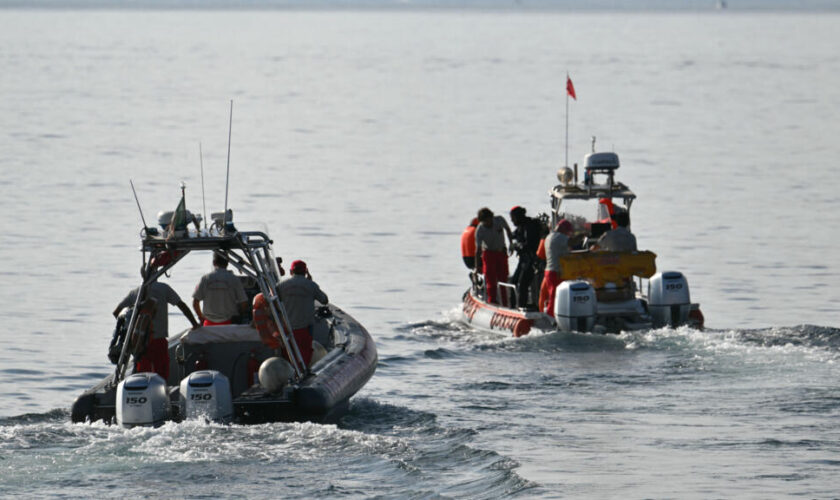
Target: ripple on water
x=378, y=449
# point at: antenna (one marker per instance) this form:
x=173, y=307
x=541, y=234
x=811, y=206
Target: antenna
x=203, y=199
x=145, y=226
x=227, y=178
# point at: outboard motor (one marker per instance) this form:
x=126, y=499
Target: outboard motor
x=206, y=394
x=142, y=400
x=574, y=306
x=668, y=299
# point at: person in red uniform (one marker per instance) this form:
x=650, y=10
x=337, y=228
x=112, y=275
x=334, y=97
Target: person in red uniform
x=298, y=294
x=224, y=299
x=156, y=358
x=468, y=244
x=491, y=257
x=556, y=245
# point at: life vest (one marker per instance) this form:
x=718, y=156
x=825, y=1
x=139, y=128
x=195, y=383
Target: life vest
x=608, y=203
x=541, y=250
x=264, y=323
x=468, y=242
x=142, y=333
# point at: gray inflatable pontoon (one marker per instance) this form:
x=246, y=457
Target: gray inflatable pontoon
x=213, y=370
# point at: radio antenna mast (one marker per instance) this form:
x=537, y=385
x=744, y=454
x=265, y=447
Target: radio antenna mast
x=227, y=178
x=203, y=199
x=145, y=226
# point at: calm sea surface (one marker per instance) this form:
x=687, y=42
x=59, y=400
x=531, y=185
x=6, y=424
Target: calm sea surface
x=365, y=141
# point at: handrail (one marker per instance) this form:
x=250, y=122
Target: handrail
x=506, y=303
x=278, y=314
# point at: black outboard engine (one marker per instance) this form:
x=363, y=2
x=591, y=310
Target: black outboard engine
x=120, y=331
x=668, y=299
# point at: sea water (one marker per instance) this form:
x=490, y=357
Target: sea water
x=365, y=141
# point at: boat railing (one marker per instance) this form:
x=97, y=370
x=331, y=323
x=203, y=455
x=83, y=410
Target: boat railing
x=249, y=252
x=507, y=294
x=278, y=312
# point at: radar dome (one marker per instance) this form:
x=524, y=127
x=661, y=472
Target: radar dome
x=275, y=374
x=565, y=175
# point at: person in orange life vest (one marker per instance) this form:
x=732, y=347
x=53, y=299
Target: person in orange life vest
x=298, y=294
x=222, y=293
x=556, y=245
x=490, y=251
x=468, y=244
x=156, y=358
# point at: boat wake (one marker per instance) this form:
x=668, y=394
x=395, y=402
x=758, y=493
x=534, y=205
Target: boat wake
x=453, y=334
x=375, y=444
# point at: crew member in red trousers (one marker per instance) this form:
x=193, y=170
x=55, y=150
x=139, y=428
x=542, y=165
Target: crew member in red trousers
x=491, y=256
x=156, y=358
x=556, y=245
x=298, y=294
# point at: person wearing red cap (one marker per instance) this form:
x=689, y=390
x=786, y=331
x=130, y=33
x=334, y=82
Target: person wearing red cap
x=468, y=244
x=490, y=251
x=298, y=293
x=556, y=245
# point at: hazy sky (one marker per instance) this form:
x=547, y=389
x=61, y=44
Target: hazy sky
x=514, y=4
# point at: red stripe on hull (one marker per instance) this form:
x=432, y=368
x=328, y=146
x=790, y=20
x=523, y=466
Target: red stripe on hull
x=502, y=319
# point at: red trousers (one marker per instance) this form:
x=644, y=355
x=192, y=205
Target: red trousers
x=156, y=358
x=303, y=337
x=548, y=290
x=495, y=266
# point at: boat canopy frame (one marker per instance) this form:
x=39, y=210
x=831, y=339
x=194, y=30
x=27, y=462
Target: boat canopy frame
x=590, y=191
x=250, y=252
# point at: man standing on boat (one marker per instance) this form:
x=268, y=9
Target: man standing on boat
x=619, y=239
x=556, y=245
x=156, y=358
x=298, y=293
x=490, y=251
x=222, y=293
x=526, y=241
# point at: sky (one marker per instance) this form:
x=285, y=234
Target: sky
x=645, y=5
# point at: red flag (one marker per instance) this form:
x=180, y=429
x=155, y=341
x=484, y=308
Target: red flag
x=570, y=89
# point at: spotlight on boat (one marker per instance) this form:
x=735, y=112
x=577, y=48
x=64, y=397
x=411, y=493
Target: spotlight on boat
x=275, y=374
x=164, y=218
x=565, y=175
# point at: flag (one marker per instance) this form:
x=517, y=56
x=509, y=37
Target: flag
x=179, y=219
x=570, y=89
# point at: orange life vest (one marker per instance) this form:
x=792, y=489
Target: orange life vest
x=264, y=323
x=468, y=242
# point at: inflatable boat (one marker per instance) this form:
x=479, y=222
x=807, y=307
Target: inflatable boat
x=600, y=291
x=229, y=373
